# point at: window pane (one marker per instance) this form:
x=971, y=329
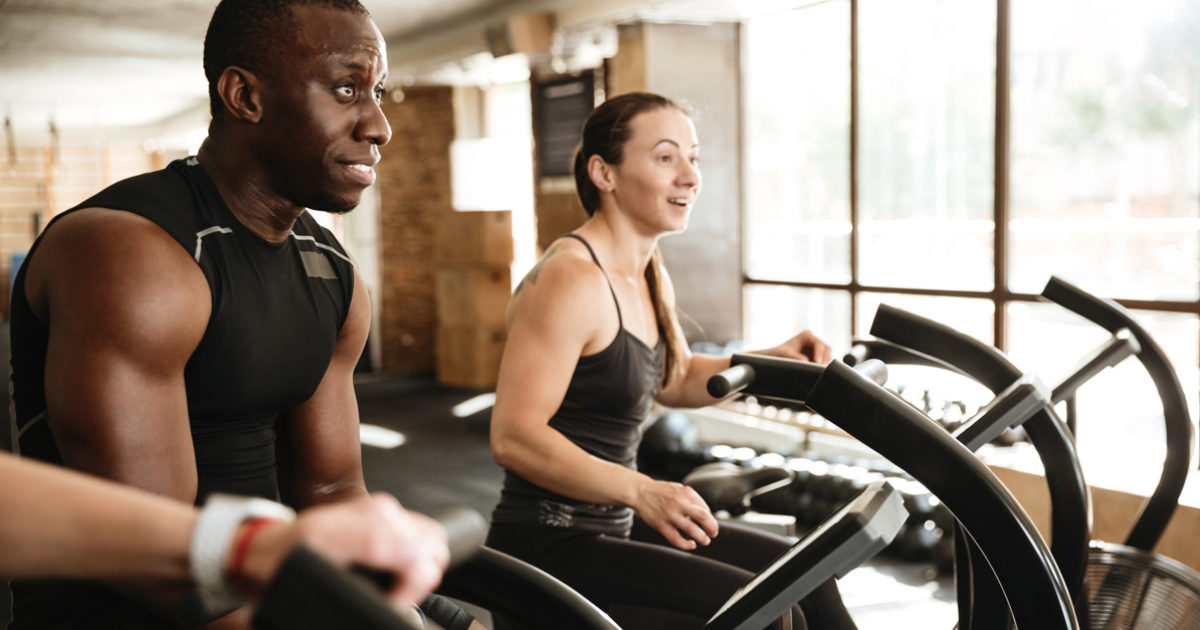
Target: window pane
x=1120, y=418
x=1105, y=142
x=967, y=315
x=797, y=158
x=927, y=85
x=773, y=314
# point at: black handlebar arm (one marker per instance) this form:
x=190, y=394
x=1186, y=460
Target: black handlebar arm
x=776, y=377
x=522, y=593
x=1156, y=512
x=964, y=353
x=1070, y=502
x=863, y=348
x=311, y=593
x=1013, y=407
x=1115, y=349
x=1036, y=591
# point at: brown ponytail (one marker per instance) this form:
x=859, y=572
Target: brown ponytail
x=674, y=343
x=605, y=133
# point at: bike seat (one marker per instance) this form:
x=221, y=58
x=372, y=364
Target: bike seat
x=726, y=486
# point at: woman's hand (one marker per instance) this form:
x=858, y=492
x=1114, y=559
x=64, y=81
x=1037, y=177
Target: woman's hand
x=805, y=346
x=677, y=512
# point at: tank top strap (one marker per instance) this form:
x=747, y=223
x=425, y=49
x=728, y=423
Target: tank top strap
x=620, y=321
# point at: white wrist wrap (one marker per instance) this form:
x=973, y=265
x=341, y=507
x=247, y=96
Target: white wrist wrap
x=212, y=541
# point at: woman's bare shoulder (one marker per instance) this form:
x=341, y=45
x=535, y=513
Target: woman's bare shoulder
x=564, y=281
x=565, y=267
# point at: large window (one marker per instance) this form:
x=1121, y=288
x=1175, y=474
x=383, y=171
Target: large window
x=1105, y=144
x=925, y=143
x=948, y=156
x=797, y=184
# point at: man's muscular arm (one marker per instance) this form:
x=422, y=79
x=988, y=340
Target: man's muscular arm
x=126, y=306
x=320, y=456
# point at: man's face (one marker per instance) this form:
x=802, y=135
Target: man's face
x=322, y=121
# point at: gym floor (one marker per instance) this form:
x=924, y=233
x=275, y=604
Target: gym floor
x=444, y=462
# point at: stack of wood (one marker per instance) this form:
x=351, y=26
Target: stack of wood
x=474, y=284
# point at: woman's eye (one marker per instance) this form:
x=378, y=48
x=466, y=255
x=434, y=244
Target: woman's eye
x=664, y=158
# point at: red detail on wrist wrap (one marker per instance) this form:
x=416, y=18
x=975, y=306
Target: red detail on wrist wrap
x=242, y=546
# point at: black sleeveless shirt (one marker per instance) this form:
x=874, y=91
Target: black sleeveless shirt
x=277, y=309
x=602, y=412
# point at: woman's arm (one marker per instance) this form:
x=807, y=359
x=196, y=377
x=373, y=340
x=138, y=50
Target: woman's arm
x=692, y=389
x=96, y=529
x=92, y=528
x=562, y=311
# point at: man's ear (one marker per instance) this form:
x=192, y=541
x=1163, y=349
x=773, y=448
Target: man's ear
x=241, y=92
x=601, y=173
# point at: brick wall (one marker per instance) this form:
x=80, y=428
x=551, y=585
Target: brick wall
x=414, y=188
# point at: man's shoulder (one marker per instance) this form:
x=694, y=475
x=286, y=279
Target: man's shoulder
x=102, y=234
x=175, y=198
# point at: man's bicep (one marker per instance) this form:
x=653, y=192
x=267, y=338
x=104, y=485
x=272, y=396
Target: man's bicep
x=110, y=418
x=125, y=309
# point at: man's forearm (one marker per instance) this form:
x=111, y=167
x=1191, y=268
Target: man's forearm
x=319, y=493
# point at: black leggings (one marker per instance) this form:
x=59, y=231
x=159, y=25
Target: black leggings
x=647, y=574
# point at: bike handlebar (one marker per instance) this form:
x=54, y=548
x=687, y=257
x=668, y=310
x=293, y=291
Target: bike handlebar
x=776, y=377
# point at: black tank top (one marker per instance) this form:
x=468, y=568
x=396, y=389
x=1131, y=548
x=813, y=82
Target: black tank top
x=602, y=412
x=277, y=309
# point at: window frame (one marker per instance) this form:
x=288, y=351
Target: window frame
x=1000, y=295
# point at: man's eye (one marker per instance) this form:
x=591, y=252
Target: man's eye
x=345, y=90
x=379, y=92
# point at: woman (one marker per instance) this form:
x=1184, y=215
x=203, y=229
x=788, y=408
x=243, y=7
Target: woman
x=592, y=339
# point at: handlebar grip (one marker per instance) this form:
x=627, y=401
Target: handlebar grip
x=465, y=533
x=310, y=593
x=873, y=369
x=730, y=380
x=1102, y=312
x=465, y=530
x=781, y=378
x=857, y=354
x=1110, y=315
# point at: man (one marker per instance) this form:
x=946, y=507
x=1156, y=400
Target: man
x=194, y=330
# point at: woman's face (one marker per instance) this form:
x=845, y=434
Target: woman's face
x=658, y=178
